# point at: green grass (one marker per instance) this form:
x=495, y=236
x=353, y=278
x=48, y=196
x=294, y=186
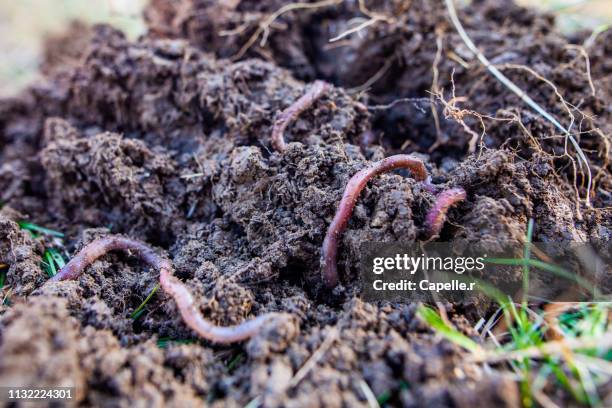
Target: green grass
x=527, y=262
x=52, y=261
x=233, y=363
x=385, y=397
x=527, y=329
x=526, y=256
x=3, y=271
x=432, y=318
x=2, y=277
x=37, y=229
x=557, y=270
x=140, y=309
x=164, y=342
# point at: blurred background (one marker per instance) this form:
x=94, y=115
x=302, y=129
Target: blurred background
x=25, y=23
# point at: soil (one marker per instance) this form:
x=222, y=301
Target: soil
x=166, y=140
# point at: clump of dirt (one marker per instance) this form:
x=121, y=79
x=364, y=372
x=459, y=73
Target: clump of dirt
x=107, y=168
x=21, y=253
x=403, y=47
x=168, y=141
x=39, y=342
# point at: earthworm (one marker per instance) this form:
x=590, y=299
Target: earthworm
x=353, y=188
x=436, y=216
x=169, y=283
x=290, y=114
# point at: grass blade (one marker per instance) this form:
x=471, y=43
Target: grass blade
x=432, y=318
x=557, y=270
x=165, y=341
x=140, y=309
x=49, y=264
x=57, y=258
x=33, y=228
x=527, y=256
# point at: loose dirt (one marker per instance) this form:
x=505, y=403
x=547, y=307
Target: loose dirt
x=167, y=140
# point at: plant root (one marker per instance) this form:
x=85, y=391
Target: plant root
x=264, y=26
x=170, y=284
x=521, y=94
x=286, y=117
x=329, y=251
x=436, y=216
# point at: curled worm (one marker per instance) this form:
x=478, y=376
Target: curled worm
x=436, y=216
x=329, y=251
x=170, y=284
x=290, y=114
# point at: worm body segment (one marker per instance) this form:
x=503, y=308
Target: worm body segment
x=353, y=188
x=170, y=284
x=436, y=216
x=290, y=114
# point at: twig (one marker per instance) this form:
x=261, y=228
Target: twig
x=544, y=400
x=355, y=29
x=306, y=368
x=314, y=358
x=435, y=89
x=587, y=63
x=377, y=75
x=329, y=252
x=452, y=111
x=370, y=397
x=170, y=284
x=414, y=101
x=318, y=89
x=548, y=82
x=7, y=296
x=519, y=92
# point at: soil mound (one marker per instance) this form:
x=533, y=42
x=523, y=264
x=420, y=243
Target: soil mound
x=167, y=140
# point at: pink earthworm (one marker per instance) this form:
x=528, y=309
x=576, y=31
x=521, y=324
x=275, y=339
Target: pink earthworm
x=329, y=251
x=290, y=114
x=436, y=216
x=170, y=284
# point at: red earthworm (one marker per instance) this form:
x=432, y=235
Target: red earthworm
x=287, y=116
x=169, y=283
x=353, y=188
x=436, y=216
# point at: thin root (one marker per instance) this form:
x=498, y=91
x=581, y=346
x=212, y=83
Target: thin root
x=170, y=284
x=435, y=88
x=521, y=94
x=265, y=25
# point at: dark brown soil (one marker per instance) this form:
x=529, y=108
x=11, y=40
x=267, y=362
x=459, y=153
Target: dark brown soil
x=167, y=140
